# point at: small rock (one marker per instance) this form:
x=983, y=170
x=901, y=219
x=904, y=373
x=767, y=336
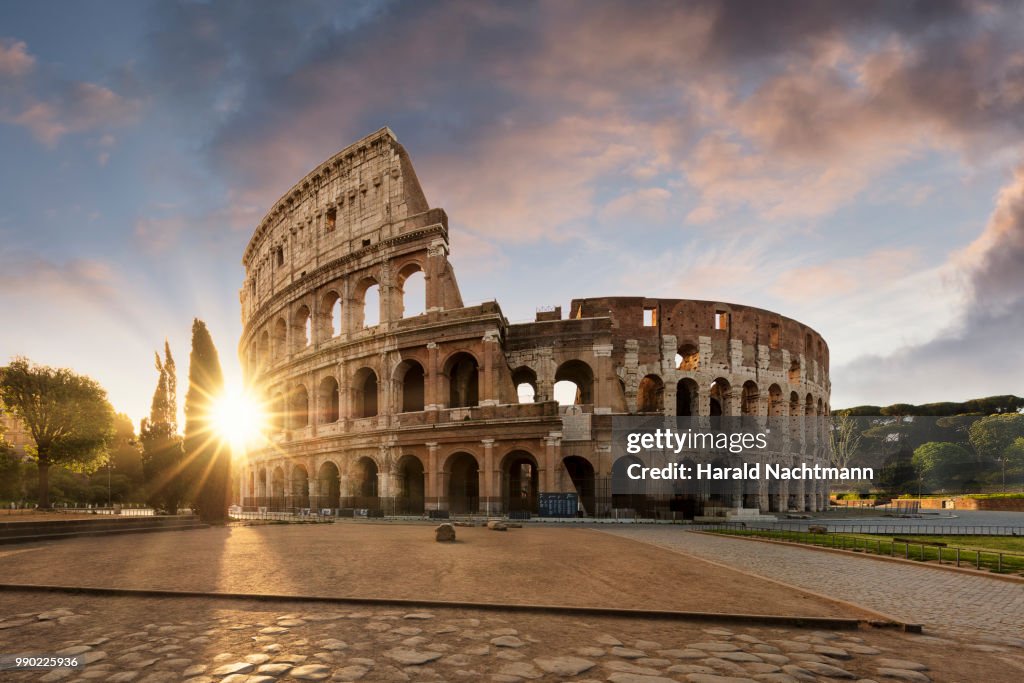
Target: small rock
x=564, y=666
x=407, y=656
x=628, y=653
x=507, y=641
x=444, y=533
x=233, y=668
x=310, y=672
x=903, y=675
x=891, y=663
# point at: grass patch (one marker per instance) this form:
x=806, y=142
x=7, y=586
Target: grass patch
x=993, y=553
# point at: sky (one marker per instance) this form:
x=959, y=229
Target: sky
x=856, y=166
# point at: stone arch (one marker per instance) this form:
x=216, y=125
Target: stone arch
x=687, y=397
x=524, y=379
x=520, y=479
x=263, y=355
x=410, y=379
x=749, y=397
x=330, y=315
x=688, y=358
x=462, y=472
x=366, y=303
x=775, y=404
x=328, y=486
x=261, y=486
x=364, y=481
x=302, y=332
x=278, y=412
x=463, y=375
x=583, y=478
x=580, y=374
x=794, y=371
x=364, y=393
x=277, y=491
x=412, y=289
x=280, y=339
x=300, y=487
x=299, y=408
x=719, y=397
x=650, y=395
x=411, y=483
x=329, y=400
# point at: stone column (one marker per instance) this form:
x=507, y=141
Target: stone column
x=432, y=485
x=488, y=380
x=432, y=380
x=490, y=500
x=437, y=255
x=552, y=460
x=604, y=379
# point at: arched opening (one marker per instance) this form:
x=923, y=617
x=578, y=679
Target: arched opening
x=687, y=501
x=687, y=393
x=278, y=412
x=581, y=473
x=300, y=487
x=261, y=487
x=463, y=380
x=411, y=487
x=775, y=404
x=263, y=357
x=463, y=474
x=688, y=358
x=277, y=501
x=520, y=477
x=328, y=486
x=795, y=424
x=574, y=383
x=749, y=397
x=719, y=397
x=412, y=285
x=410, y=377
x=364, y=484
x=280, y=339
x=650, y=395
x=525, y=381
x=367, y=303
x=329, y=400
x=299, y=408
x=330, y=315
x=794, y=371
x=809, y=421
x=301, y=328
x=364, y=393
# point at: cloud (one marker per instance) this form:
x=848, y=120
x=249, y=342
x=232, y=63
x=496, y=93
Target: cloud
x=14, y=58
x=844, y=276
x=979, y=351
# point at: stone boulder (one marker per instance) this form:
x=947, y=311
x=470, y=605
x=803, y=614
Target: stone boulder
x=444, y=533
x=495, y=525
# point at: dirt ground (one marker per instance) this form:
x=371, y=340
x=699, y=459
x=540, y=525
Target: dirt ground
x=556, y=566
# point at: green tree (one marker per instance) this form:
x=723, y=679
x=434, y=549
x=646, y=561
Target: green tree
x=993, y=437
x=68, y=416
x=125, y=453
x=941, y=464
x=209, y=457
x=844, y=439
x=163, y=458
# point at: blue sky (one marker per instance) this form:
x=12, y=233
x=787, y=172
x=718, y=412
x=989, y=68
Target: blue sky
x=856, y=166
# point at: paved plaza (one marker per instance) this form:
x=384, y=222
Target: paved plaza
x=214, y=640
x=941, y=600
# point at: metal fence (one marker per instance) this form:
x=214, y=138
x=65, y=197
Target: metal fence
x=115, y=510
x=886, y=529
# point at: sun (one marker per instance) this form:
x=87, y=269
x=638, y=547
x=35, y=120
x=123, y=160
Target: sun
x=238, y=418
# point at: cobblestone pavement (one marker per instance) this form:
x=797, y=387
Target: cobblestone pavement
x=943, y=601
x=200, y=640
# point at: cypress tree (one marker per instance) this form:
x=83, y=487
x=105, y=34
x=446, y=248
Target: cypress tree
x=209, y=458
x=162, y=454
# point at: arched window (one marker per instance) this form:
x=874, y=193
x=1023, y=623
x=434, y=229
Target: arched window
x=364, y=385
x=462, y=372
x=280, y=340
x=719, y=397
x=749, y=398
x=410, y=377
x=329, y=400
x=687, y=393
x=299, y=407
x=330, y=315
x=301, y=328
x=371, y=306
x=650, y=395
x=688, y=358
x=574, y=383
x=525, y=381
x=412, y=286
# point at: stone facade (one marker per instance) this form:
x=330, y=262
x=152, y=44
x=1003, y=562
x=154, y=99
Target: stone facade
x=379, y=409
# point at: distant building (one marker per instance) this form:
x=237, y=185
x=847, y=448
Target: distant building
x=14, y=431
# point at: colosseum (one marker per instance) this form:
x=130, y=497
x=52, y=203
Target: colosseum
x=391, y=396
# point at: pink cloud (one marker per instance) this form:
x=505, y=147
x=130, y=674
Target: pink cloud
x=14, y=58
